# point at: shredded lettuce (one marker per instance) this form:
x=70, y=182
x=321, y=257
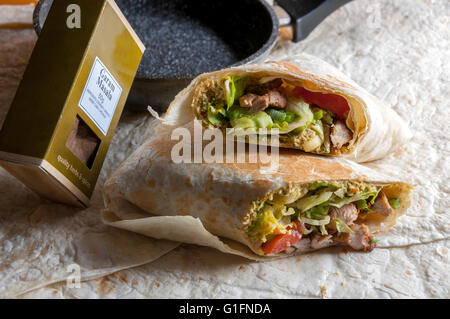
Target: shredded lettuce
x=281, y=116
x=240, y=118
x=258, y=120
x=216, y=116
x=276, y=115
x=290, y=117
x=339, y=202
x=340, y=192
x=229, y=91
x=300, y=108
x=316, y=222
x=263, y=120
x=323, y=230
x=243, y=123
x=343, y=227
x=281, y=126
x=319, y=210
x=234, y=87
x=308, y=202
x=236, y=112
x=306, y=231
x=239, y=83
x=294, y=194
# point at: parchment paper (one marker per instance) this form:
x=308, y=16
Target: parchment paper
x=398, y=50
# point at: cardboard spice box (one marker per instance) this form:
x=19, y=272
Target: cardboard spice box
x=59, y=127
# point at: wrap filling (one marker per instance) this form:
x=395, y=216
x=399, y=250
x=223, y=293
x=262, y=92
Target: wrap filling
x=314, y=122
x=319, y=215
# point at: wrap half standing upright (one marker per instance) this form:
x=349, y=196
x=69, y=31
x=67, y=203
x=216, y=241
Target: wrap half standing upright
x=315, y=107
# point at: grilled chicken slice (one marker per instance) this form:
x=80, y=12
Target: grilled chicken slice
x=382, y=206
x=340, y=134
x=258, y=103
x=361, y=239
x=316, y=242
x=347, y=213
x=319, y=242
x=303, y=244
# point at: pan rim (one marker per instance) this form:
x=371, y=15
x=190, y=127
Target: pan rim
x=260, y=53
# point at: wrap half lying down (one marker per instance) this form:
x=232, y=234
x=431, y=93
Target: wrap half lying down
x=308, y=203
x=316, y=108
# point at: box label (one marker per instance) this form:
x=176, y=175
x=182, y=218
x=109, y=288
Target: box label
x=100, y=96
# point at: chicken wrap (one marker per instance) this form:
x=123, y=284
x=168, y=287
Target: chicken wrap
x=314, y=107
x=308, y=203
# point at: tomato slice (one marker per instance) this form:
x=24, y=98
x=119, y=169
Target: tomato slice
x=283, y=241
x=331, y=102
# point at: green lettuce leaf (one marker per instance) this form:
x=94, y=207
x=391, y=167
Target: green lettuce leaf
x=236, y=112
x=343, y=227
x=216, y=116
x=276, y=115
x=319, y=210
x=234, y=87
x=339, y=202
x=302, y=110
x=240, y=83
x=257, y=120
x=309, y=202
x=263, y=120
x=244, y=122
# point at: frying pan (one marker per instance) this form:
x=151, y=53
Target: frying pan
x=185, y=38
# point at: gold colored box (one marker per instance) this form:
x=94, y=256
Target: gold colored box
x=62, y=119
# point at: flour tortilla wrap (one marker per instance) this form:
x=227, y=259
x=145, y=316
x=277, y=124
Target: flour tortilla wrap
x=377, y=129
x=209, y=204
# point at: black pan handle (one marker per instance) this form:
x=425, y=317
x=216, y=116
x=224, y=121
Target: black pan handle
x=307, y=14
